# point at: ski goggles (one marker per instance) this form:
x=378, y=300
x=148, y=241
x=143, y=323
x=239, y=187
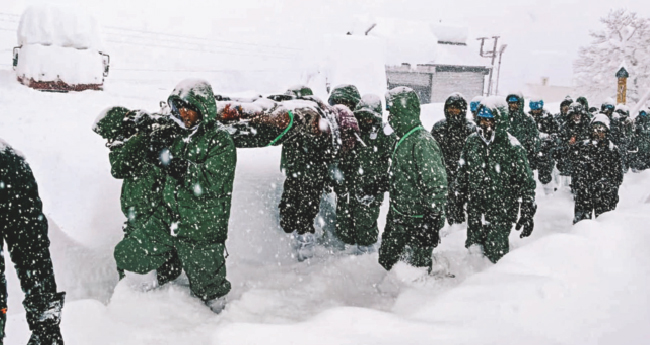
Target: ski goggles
x=473, y=106
x=536, y=105
x=643, y=113
x=176, y=105
x=486, y=113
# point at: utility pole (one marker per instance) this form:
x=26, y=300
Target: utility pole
x=489, y=54
x=622, y=76
x=501, y=50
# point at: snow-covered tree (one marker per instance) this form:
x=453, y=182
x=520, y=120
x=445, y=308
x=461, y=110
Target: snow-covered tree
x=625, y=39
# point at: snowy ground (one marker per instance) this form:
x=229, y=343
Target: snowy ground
x=583, y=284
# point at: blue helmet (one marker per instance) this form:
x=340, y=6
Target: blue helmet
x=485, y=112
x=643, y=113
x=473, y=106
x=536, y=105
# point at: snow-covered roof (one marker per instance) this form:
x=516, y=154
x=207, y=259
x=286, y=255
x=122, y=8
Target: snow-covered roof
x=450, y=34
x=459, y=55
x=59, y=26
x=419, y=42
x=407, y=41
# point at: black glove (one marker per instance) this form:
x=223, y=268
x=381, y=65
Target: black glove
x=172, y=166
x=429, y=234
x=44, y=317
x=527, y=212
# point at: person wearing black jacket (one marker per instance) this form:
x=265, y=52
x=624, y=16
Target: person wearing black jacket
x=24, y=229
x=549, y=129
x=573, y=132
x=597, y=173
x=451, y=134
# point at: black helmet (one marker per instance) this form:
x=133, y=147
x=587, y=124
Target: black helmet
x=458, y=100
x=567, y=101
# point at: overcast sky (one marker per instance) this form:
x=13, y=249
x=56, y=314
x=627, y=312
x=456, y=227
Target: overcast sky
x=543, y=36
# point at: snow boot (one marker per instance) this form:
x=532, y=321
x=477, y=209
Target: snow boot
x=305, y=246
x=217, y=305
x=440, y=267
x=141, y=282
x=361, y=250
x=170, y=270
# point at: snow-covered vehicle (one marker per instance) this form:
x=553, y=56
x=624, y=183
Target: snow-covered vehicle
x=59, y=49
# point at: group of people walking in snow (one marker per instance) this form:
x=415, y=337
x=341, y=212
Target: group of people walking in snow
x=178, y=179
x=178, y=168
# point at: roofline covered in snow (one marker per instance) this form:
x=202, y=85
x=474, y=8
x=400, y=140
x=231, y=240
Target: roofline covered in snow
x=435, y=68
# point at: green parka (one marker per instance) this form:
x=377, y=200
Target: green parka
x=372, y=160
x=523, y=127
x=495, y=177
x=418, y=181
x=142, y=182
x=451, y=133
x=200, y=203
x=23, y=228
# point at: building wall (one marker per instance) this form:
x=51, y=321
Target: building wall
x=419, y=82
x=434, y=84
x=548, y=93
x=470, y=84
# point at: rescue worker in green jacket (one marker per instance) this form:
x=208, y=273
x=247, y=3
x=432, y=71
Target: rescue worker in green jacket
x=307, y=155
x=23, y=228
x=495, y=181
x=343, y=98
x=451, y=134
x=193, y=224
x=367, y=176
x=417, y=186
x=523, y=127
x=640, y=159
x=129, y=134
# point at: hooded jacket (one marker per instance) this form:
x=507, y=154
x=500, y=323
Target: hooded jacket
x=494, y=177
x=451, y=134
x=345, y=94
x=200, y=202
x=599, y=162
x=372, y=160
x=418, y=181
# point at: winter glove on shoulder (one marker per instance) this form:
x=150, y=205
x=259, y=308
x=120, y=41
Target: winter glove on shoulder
x=527, y=213
x=429, y=234
x=44, y=317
